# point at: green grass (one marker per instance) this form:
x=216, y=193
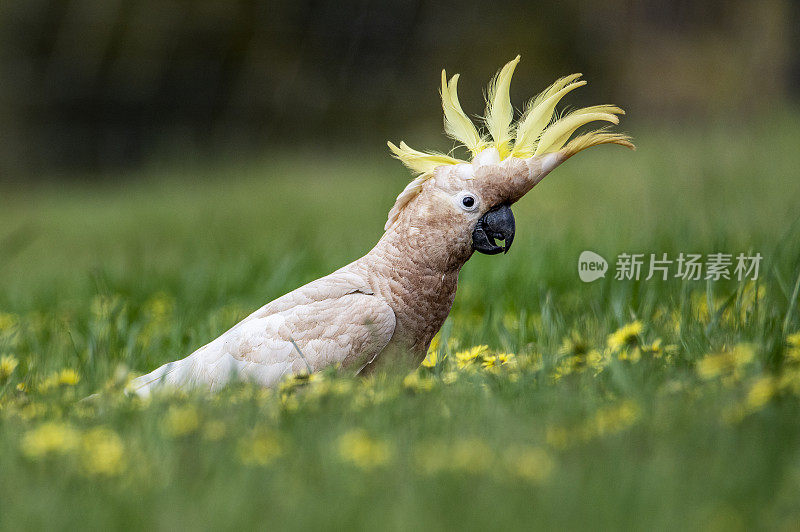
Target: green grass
x=109, y=279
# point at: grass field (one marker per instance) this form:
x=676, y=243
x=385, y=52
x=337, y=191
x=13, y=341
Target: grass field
x=651, y=404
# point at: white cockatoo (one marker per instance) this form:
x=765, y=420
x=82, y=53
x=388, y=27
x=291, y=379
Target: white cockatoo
x=386, y=307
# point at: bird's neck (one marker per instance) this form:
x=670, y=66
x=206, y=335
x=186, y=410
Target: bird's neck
x=419, y=255
x=418, y=277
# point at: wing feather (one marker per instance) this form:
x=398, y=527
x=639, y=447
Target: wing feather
x=318, y=325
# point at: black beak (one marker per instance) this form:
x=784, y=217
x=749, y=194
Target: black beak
x=495, y=224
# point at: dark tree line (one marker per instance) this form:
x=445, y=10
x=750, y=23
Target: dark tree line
x=90, y=84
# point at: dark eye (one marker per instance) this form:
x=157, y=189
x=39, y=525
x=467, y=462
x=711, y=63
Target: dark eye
x=468, y=201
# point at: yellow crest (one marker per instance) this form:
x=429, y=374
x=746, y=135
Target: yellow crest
x=537, y=132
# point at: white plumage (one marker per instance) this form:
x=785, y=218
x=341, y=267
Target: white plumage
x=333, y=320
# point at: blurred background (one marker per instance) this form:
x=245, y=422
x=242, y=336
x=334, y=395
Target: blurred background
x=92, y=87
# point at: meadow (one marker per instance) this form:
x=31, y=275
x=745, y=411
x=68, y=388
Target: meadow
x=545, y=402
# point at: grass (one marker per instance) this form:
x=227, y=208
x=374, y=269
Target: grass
x=700, y=431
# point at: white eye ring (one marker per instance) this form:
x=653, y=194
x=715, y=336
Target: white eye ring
x=467, y=201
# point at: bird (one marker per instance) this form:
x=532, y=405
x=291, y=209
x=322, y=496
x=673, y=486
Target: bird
x=383, y=309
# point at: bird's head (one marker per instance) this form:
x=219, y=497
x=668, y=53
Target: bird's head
x=467, y=204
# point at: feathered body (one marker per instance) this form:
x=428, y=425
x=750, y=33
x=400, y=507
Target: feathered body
x=386, y=307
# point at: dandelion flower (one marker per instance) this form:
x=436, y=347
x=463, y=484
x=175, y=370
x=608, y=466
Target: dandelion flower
x=431, y=359
x=68, y=377
x=7, y=321
x=449, y=377
x=593, y=361
x=65, y=377
x=8, y=364
x=359, y=449
x=259, y=449
x=793, y=340
x=626, y=335
x=50, y=438
x=762, y=390
x=298, y=380
x=500, y=359
x=630, y=355
x=793, y=353
x=529, y=463
x=416, y=382
x=181, y=420
x=614, y=419
x=102, y=452
x=730, y=363
x=470, y=356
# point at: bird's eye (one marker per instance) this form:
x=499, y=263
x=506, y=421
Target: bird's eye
x=467, y=201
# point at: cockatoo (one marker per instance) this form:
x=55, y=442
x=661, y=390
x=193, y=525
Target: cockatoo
x=386, y=307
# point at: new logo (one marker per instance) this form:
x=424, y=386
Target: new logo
x=591, y=266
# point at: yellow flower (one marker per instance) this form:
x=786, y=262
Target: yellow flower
x=50, y=438
x=68, y=377
x=415, y=381
x=655, y=349
x=103, y=306
x=7, y=321
x=8, y=364
x=65, y=377
x=726, y=363
x=593, y=361
x=471, y=355
x=631, y=355
x=793, y=353
x=259, y=449
x=102, y=452
x=616, y=418
x=790, y=380
x=431, y=359
x=298, y=380
x=760, y=393
x=432, y=356
x=794, y=340
x=449, y=377
x=358, y=448
x=500, y=359
x=32, y=411
x=181, y=420
x=158, y=307
x=574, y=345
x=625, y=336
x=529, y=463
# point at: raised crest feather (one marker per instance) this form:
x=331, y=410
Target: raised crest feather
x=539, y=114
x=499, y=111
x=558, y=133
x=457, y=124
x=535, y=134
x=420, y=161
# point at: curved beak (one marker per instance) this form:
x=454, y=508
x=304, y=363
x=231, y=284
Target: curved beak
x=495, y=224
